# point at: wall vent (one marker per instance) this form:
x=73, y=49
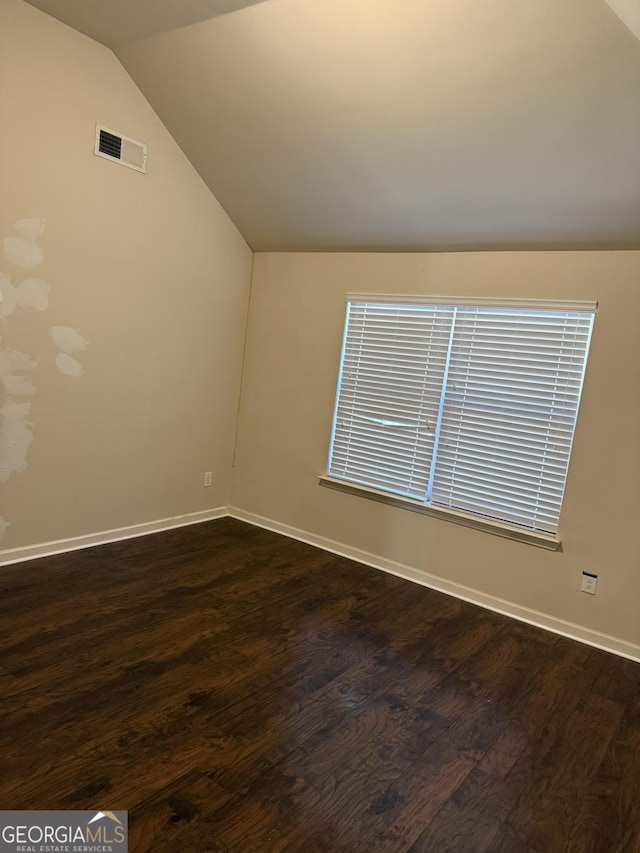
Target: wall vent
x=121, y=149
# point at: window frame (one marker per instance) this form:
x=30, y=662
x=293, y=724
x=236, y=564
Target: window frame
x=550, y=541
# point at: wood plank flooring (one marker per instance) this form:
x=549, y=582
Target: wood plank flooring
x=238, y=691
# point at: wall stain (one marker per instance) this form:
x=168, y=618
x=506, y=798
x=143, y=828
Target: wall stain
x=16, y=427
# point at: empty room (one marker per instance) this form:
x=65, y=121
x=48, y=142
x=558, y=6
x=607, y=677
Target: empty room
x=320, y=426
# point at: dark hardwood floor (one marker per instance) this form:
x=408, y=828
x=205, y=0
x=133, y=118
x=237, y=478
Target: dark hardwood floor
x=239, y=691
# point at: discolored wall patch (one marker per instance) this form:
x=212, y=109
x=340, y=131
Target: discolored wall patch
x=16, y=426
x=68, y=341
x=23, y=250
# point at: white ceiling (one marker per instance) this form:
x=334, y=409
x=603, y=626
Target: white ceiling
x=401, y=124
x=629, y=13
x=113, y=22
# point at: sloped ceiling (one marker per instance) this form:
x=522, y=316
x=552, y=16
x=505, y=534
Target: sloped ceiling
x=118, y=21
x=629, y=13
x=406, y=124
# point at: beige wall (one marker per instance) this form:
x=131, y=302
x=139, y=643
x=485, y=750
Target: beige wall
x=294, y=336
x=147, y=268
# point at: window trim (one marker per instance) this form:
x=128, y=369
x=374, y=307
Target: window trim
x=540, y=540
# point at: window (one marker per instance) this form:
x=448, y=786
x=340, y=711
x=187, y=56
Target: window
x=463, y=406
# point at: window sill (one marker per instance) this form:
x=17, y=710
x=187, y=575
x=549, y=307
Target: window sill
x=540, y=540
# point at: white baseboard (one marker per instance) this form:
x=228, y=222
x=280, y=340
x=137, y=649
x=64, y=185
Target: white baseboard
x=61, y=546
x=607, y=643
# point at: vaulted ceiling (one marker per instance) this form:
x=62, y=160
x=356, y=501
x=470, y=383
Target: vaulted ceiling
x=396, y=124
x=119, y=21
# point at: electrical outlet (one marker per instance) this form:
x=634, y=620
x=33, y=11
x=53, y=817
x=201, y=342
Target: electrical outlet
x=208, y=478
x=589, y=583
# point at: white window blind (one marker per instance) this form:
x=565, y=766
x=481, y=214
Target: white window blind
x=393, y=367
x=462, y=406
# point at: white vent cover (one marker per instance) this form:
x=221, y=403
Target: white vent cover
x=121, y=149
